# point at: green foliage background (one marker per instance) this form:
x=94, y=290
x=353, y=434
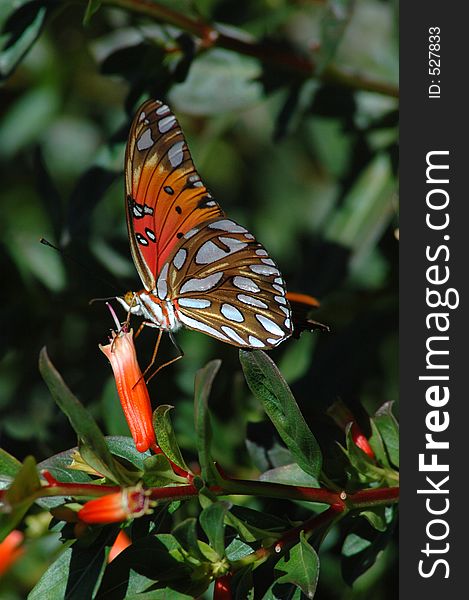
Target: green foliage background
x=307, y=164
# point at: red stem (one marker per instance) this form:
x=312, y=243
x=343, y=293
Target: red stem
x=281, y=56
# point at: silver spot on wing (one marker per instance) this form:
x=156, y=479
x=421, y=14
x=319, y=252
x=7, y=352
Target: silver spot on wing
x=264, y=270
x=162, y=110
x=246, y=284
x=256, y=343
x=270, y=326
x=231, y=313
x=162, y=285
x=194, y=302
x=251, y=301
x=199, y=326
x=227, y=225
x=233, y=335
x=201, y=285
x=176, y=154
x=180, y=258
x=165, y=124
x=145, y=141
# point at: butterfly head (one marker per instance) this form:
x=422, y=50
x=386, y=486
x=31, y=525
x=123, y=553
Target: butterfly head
x=130, y=302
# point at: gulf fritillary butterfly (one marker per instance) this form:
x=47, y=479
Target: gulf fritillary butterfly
x=199, y=269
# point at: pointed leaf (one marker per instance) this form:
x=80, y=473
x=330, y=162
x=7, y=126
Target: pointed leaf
x=268, y=385
x=19, y=496
x=212, y=520
x=389, y=430
x=77, y=571
x=186, y=534
x=203, y=384
x=166, y=437
x=91, y=8
x=24, y=27
x=301, y=567
x=90, y=437
x=158, y=472
x=9, y=465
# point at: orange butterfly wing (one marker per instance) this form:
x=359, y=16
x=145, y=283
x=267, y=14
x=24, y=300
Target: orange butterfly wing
x=164, y=194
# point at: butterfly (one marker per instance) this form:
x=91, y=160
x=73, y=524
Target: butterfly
x=199, y=269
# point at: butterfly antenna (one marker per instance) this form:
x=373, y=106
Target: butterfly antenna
x=85, y=268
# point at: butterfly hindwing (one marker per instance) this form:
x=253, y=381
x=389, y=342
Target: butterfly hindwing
x=165, y=196
x=224, y=284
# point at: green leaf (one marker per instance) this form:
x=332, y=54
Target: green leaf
x=300, y=567
x=254, y=525
x=212, y=520
x=242, y=585
x=53, y=582
x=158, y=595
x=149, y=559
x=186, y=534
x=9, y=465
x=280, y=591
x=290, y=475
x=158, y=472
x=124, y=447
x=166, y=437
x=364, y=465
x=203, y=384
x=361, y=551
x=218, y=81
x=19, y=496
x=389, y=430
x=237, y=549
x=58, y=466
x=377, y=445
x=24, y=27
x=268, y=385
x=77, y=572
x=353, y=544
x=93, y=447
x=333, y=26
x=376, y=517
x=92, y=8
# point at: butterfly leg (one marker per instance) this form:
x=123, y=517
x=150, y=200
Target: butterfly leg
x=139, y=330
x=169, y=362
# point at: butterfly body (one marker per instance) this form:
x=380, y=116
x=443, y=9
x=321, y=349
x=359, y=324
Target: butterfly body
x=200, y=269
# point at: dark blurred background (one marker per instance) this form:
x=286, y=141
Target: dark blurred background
x=308, y=165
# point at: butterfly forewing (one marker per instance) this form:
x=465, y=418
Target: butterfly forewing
x=224, y=284
x=165, y=196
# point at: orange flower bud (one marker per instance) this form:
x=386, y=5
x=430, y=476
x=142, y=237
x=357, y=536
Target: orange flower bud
x=132, y=389
x=121, y=542
x=10, y=550
x=129, y=503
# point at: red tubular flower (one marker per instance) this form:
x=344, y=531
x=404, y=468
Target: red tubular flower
x=10, y=550
x=129, y=503
x=360, y=440
x=132, y=389
x=343, y=416
x=222, y=590
x=121, y=542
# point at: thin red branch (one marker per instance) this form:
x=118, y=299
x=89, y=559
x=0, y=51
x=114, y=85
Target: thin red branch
x=373, y=497
x=280, y=56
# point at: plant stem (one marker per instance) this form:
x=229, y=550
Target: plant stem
x=229, y=487
x=282, y=57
